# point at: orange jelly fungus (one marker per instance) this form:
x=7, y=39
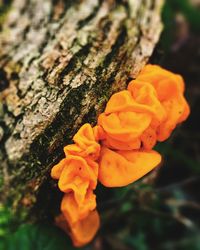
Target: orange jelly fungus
x=118, y=150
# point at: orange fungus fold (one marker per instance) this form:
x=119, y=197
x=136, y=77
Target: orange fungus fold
x=119, y=149
x=120, y=168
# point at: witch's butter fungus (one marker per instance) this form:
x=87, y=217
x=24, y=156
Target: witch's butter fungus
x=118, y=150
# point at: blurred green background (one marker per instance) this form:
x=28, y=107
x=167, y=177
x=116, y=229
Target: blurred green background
x=161, y=211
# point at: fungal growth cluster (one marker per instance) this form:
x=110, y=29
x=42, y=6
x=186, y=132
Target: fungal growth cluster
x=118, y=150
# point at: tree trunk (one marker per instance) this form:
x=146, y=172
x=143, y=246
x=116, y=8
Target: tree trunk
x=60, y=61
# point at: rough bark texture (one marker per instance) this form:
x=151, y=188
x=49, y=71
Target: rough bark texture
x=59, y=63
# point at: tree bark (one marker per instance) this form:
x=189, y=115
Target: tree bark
x=60, y=61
